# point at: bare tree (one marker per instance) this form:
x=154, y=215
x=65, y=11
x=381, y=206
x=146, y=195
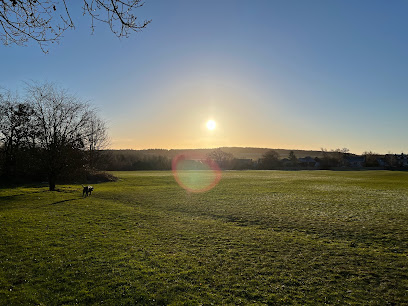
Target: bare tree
x=220, y=157
x=371, y=159
x=44, y=21
x=97, y=138
x=64, y=128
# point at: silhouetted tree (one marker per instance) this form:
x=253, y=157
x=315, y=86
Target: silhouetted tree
x=97, y=139
x=15, y=130
x=221, y=158
x=270, y=160
x=292, y=158
x=371, y=159
x=64, y=127
x=333, y=158
x=45, y=21
x=391, y=160
x=325, y=161
x=339, y=156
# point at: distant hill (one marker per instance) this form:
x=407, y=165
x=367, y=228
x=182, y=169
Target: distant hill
x=237, y=152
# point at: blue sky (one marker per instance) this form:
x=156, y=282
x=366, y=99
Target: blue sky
x=278, y=74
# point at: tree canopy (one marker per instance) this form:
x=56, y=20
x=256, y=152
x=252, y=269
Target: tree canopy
x=270, y=160
x=50, y=133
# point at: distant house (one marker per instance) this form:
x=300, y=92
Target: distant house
x=395, y=160
x=354, y=161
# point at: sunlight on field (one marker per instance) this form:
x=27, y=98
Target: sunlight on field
x=197, y=181
x=257, y=237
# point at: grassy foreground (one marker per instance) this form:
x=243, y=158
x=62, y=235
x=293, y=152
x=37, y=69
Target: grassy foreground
x=264, y=237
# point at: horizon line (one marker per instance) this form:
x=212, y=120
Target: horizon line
x=265, y=148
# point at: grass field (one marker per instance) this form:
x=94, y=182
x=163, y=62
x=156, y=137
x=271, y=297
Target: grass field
x=258, y=237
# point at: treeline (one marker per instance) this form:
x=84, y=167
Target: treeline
x=132, y=160
x=128, y=160
x=237, y=152
x=47, y=134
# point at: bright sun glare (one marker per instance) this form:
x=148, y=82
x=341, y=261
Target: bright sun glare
x=210, y=124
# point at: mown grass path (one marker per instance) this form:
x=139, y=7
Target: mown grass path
x=258, y=237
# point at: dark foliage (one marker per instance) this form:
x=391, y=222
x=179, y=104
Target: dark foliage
x=50, y=135
x=128, y=160
x=270, y=160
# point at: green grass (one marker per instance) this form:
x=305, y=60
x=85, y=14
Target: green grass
x=258, y=237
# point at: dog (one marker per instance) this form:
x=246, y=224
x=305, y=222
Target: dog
x=87, y=190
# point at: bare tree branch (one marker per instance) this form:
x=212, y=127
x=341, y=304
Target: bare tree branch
x=45, y=21
x=66, y=126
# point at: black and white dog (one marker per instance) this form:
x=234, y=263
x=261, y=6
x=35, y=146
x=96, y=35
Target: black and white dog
x=87, y=190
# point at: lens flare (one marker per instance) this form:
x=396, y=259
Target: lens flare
x=195, y=172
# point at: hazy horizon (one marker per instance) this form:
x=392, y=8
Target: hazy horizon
x=258, y=148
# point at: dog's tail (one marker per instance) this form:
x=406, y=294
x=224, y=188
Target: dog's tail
x=82, y=186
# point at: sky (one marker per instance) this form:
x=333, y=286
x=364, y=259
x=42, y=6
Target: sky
x=273, y=74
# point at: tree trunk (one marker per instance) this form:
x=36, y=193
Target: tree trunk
x=51, y=182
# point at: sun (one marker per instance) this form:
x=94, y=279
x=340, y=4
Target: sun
x=211, y=124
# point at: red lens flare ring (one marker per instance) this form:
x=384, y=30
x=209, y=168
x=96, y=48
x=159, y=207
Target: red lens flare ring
x=195, y=172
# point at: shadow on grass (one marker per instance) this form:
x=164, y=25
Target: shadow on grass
x=64, y=201
x=10, y=204
x=21, y=194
